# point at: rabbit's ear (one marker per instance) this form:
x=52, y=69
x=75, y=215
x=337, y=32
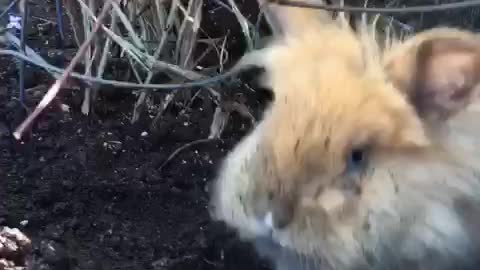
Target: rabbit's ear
x=290, y=20
x=439, y=71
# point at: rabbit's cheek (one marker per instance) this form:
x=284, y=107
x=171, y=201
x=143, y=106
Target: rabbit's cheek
x=331, y=199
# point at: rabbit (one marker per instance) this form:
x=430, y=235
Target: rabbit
x=369, y=155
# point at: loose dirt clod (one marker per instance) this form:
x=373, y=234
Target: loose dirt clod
x=15, y=248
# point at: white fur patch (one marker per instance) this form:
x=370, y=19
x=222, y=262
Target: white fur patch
x=331, y=199
x=269, y=220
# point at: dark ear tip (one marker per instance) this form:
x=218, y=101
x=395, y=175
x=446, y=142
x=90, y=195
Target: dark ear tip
x=444, y=76
x=463, y=43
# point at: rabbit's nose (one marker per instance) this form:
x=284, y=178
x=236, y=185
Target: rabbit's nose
x=280, y=214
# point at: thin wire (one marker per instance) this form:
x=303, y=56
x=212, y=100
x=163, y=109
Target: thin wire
x=13, y=3
x=123, y=84
x=230, y=73
x=415, y=9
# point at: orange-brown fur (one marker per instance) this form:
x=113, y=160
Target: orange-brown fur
x=335, y=91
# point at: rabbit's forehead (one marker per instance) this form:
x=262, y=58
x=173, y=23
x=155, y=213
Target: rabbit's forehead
x=333, y=114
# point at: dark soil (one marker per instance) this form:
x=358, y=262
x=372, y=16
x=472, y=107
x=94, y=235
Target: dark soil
x=90, y=192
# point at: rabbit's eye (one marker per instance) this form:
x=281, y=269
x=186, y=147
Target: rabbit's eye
x=356, y=164
x=356, y=159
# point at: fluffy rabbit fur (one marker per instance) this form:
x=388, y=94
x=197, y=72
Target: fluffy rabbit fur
x=368, y=158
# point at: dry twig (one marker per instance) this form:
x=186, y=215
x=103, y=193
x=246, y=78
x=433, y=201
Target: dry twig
x=53, y=91
x=183, y=147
